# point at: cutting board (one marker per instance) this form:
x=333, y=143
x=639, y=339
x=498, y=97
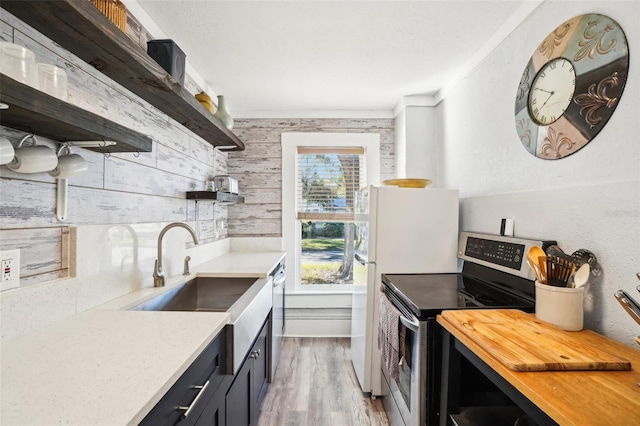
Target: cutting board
x=523, y=343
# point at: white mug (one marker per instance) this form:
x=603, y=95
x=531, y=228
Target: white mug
x=34, y=158
x=69, y=166
x=6, y=151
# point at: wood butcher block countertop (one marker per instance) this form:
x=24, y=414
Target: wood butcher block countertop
x=598, y=387
x=525, y=343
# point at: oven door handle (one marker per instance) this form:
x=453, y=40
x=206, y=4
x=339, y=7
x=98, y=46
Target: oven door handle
x=411, y=325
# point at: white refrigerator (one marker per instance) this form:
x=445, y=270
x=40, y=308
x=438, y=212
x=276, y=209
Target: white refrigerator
x=410, y=230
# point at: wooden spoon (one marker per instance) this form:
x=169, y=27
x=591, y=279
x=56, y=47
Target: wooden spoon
x=580, y=278
x=532, y=258
x=534, y=253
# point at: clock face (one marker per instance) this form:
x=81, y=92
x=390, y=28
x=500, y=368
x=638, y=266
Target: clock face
x=552, y=91
x=571, y=86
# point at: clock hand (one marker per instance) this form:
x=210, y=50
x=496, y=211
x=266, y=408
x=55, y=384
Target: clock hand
x=556, y=102
x=542, y=90
x=550, y=96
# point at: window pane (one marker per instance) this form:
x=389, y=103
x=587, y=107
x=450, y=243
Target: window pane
x=324, y=259
x=327, y=182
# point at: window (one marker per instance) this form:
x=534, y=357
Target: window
x=321, y=176
x=327, y=182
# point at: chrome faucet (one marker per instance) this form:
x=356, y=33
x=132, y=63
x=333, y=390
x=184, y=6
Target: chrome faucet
x=158, y=273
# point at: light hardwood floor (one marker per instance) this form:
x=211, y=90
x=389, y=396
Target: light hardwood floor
x=315, y=385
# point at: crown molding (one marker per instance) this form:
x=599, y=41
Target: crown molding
x=515, y=20
x=314, y=114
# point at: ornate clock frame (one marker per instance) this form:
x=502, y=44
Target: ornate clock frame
x=597, y=48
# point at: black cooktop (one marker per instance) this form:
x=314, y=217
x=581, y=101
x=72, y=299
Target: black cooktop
x=426, y=295
x=494, y=275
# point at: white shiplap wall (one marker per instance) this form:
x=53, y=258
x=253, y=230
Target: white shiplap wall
x=138, y=193
x=121, y=188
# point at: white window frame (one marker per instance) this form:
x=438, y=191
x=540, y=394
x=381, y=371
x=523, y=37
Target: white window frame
x=291, y=230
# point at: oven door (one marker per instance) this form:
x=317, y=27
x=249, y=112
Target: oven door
x=408, y=394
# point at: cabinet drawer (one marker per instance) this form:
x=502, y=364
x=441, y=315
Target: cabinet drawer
x=193, y=389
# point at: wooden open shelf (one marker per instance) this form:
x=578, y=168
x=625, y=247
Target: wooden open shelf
x=84, y=31
x=33, y=111
x=215, y=196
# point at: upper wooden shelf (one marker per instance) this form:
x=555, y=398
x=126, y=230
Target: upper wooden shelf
x=79, y=27
x=33, y=111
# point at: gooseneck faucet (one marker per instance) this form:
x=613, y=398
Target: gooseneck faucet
x=158, y=273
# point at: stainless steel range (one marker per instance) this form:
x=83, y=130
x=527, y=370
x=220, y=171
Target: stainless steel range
x=494, y=275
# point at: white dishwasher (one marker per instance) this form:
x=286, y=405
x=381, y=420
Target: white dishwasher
x=277, y=315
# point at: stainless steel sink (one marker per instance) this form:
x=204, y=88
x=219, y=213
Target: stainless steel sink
x=247, y=300
x=200, y=294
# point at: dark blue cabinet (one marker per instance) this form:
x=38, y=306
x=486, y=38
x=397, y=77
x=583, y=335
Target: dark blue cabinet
x=250, y=383
x=205, y=396
x=186, y=399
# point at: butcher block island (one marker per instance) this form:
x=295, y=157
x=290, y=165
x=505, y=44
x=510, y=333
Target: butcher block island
x=555, y=376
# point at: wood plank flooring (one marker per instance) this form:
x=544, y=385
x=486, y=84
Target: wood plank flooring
x=315, y=385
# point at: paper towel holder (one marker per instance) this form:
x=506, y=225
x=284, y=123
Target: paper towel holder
x=62, y=182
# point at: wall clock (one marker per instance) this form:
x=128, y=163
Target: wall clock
x=571, y=86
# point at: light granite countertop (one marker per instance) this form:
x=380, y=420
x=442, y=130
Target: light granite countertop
x=108, y=365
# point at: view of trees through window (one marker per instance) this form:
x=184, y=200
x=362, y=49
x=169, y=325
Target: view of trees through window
x=324, y=258
x=327, y=186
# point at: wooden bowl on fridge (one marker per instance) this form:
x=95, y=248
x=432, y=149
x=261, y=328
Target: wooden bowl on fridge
x=407, y=183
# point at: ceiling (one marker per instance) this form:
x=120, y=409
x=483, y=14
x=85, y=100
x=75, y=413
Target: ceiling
x=283, y=56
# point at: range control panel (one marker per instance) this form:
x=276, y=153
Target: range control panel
x=499, y=252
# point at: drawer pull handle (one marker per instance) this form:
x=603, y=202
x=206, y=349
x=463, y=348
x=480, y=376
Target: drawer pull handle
x=255, y=354
x=187, y=410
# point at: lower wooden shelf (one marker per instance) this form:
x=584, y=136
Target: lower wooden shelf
x=215, y=196
x=34, y=111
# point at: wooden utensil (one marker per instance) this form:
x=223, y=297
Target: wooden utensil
x=535, y=269
x=542, y=261
x=533, y=256
x=532, y=261
x=580, y=278
x=559, y=270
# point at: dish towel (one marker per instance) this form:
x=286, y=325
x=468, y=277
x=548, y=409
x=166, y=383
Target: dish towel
x=390, y=333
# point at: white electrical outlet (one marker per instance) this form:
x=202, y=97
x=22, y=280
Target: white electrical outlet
x=10, y=272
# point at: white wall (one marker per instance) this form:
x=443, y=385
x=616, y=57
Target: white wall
x=590, y=199
x=416, y=128
x=416, y=138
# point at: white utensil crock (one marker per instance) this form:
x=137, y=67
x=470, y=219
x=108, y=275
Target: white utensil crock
x=560, y=306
